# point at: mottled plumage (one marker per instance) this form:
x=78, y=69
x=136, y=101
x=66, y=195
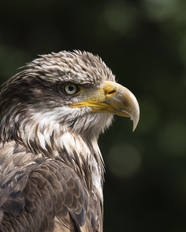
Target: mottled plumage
x=51, y=168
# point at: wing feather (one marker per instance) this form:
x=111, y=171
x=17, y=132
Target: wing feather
x=41, y=194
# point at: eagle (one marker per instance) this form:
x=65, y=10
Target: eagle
x=51, y=168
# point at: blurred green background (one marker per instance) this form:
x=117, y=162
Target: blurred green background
x=144, y=43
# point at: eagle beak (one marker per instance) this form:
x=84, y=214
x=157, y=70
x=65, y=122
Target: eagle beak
x=121, y=102
x=112, y=98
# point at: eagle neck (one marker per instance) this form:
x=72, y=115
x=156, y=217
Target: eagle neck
x=84, y=156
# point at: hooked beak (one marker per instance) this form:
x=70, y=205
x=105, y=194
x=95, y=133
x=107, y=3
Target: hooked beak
x=112, y=98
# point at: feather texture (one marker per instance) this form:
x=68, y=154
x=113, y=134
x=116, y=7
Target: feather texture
x=51, y=168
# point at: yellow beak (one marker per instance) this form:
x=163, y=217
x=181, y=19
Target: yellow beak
x=111, y=98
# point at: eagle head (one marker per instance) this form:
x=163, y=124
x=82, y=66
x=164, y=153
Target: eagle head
x=62, y=94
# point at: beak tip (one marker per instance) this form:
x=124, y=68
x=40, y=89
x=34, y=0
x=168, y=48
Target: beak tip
x=135, y=118
x=134, y=126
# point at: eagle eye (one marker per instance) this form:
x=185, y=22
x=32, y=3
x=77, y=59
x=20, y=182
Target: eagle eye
x=70, y=89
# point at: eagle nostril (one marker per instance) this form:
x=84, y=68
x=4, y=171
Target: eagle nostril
x=111, y=92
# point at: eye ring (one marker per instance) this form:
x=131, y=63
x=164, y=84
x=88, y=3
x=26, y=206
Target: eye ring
x=70, y=89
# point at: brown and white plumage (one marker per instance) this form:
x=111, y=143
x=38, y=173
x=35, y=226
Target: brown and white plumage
x=51, y=168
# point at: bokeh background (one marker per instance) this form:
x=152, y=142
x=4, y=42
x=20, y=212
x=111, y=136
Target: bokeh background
x=144, y=43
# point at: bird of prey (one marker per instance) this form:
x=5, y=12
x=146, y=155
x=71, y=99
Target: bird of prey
x=51, y=168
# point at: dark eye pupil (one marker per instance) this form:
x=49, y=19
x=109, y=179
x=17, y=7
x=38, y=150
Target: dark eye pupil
x=71, y=88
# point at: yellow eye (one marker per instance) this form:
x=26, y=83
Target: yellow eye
x=70, y=89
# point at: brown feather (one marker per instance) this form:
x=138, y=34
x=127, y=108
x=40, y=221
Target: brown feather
x=46, y=157
x=51, y=168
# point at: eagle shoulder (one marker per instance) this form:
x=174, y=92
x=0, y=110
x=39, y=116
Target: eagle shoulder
x=45, y=193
